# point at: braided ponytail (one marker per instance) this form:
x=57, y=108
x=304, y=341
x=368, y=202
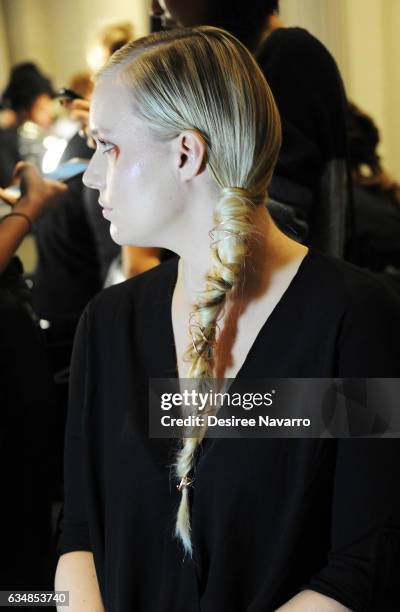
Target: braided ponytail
x=205, y=79
x=230, y=246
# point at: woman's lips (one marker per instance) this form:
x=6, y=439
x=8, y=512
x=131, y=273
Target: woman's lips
x=106, y=210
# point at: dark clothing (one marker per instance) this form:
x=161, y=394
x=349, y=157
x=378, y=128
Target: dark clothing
x=66, y=278
x=309, y=92
x=377, y=239
x=290, y=205
x=68, y=274
x=310, y=96
x=27, y=402
x=269, y=516
x=9, y=155
x=71, y=268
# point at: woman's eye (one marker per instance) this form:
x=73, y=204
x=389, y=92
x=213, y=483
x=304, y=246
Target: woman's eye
x=106, y=147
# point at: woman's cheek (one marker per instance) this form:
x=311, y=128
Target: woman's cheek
x=135, y=170
x=131, y=179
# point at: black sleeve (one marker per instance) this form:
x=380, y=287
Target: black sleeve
x=74, y=524
x=363, y=564
x=365, y=527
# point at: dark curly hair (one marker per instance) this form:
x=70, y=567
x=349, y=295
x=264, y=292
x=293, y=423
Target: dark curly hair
x=26, y=84
x=365, y=163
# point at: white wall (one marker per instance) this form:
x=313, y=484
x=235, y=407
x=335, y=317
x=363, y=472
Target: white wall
x=55, y=33
x=4, y=53
x=391, y=101
x=75, y=22
x=27, y=26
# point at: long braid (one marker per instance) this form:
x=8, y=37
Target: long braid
x=231, y=236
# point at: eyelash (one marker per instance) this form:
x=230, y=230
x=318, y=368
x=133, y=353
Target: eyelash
x=103, y=143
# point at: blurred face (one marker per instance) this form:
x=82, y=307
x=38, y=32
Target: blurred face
x=183, y=12
x=41, y=111
x=132, y=170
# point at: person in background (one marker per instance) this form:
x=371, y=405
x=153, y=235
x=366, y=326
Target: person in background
x=376, y=199
x=37, y=194
x=27, y=400
x=250, y=23
x=81, y=83
x=309, y=190
x=8, y=118
x=311, y=183
x=29, y=95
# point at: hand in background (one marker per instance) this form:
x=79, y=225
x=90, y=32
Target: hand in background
x=37, y=193
x=79, y=111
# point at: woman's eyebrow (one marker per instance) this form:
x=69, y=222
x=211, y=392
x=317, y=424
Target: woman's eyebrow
x=95, y=132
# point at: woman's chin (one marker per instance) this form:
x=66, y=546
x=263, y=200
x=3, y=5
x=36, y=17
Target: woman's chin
x=116, y=235
x=124, y=238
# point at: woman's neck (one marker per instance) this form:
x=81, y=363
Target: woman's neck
x=270, y=252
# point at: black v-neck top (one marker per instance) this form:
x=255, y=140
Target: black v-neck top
x=269, y=516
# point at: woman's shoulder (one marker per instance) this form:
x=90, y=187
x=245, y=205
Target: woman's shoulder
x=340, y=281
x=367, y=312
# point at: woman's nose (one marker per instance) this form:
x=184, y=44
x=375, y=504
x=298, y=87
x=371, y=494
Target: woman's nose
x=91, y=177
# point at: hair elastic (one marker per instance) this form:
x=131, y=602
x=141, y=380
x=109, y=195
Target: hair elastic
x=241, y=192
x=237, y=191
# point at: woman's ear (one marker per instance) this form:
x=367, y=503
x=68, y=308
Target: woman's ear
x=192, y=151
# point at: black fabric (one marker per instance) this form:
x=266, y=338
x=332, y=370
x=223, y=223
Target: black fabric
x=290, y=205
x=269, y=517
x=310, y=96
x=9, y=155
x=27, y=449
x=68, y=271
x=67, y=276
x=308, y=90
x=377, y=239
x=247, y=25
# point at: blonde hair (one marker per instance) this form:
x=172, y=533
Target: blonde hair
x=205, y=79
x=115, y=35
x=109, y=38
